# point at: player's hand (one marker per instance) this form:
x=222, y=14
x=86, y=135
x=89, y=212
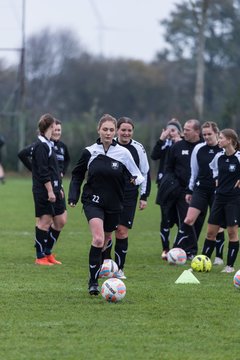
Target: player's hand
x=165, y=134
x=188, y=198
x=132, y=180
x=142, y=204
x=51, y=196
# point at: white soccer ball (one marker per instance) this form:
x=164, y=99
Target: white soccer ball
x=113, y=290
x=176, y=256
x=236, y=280
x=108, y=268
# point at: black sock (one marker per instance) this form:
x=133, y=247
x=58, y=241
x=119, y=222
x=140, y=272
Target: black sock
x=233, y=248
x=164, y=234
x=186, y=238
x=52, y=239
x=40, y=242
x=95, y=261
x=208, y=247
x=220, y=244
x=191, y=243
x=106, y=254
x=121, y=248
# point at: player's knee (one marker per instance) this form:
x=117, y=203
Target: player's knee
x=121, y=233
x=211, y=235
x=232, y=234
x=98, y=242
x=189, y=220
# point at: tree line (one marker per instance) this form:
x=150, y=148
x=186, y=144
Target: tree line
x=195, y=76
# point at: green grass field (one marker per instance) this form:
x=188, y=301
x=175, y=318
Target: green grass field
x=46, y=313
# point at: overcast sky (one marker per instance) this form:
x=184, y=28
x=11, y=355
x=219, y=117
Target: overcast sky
x=112, y=28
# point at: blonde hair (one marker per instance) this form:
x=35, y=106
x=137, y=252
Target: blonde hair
x=107, y=117
x=211, y=124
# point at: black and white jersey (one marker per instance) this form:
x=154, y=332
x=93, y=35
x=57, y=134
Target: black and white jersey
x=140, y=157
x=25, y=155
x=45, y=166
x=226, y=169
x=62, y=154
x=106, y=176
x=160, y=152
x=179, y=161
x=61, y=151
x=201, y=174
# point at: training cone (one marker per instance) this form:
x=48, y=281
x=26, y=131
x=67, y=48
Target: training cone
x=187, y=277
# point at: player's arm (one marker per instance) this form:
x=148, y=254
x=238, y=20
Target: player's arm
x=78, y=176
x=25, y=155
x=51, y=195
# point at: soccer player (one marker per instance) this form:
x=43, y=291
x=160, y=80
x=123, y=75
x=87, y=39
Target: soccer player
x=47, y=193
x=200, y=193
x=60, y=148
x=225, y=210
x=125, y=128
x=178, y=165
x=61, y=151
x=109, y=166
x=169, y=136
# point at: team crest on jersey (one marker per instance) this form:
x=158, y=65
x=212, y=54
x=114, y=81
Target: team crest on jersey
x=232, y=167
x=115, y=165
x=211, y=151
x=185, y=152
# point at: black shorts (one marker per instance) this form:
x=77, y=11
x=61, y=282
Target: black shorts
x=201, y=199
x=110, y=220
x=127, y=215
x=225, y=211
x=45, y=207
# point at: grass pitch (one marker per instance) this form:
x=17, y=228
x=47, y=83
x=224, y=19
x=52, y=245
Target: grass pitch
x=46, y=313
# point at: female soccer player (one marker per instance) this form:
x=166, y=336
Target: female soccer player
x=62, y=154
x=125, y=128
x=60, y=148
x=47, y=193
x=168, y=137
x=109, y=167
x=225, y=210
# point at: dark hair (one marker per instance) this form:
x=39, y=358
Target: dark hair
x=124, y=120
x=107, y=117
x=45, y=122
x=58, y=122
x=212, y=125
x=232, y=135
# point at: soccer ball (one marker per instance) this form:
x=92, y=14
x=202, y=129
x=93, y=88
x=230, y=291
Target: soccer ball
x=236, y=279
x=176, y=256
x=108, y=268
x=201, y=263
x=113, y=290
